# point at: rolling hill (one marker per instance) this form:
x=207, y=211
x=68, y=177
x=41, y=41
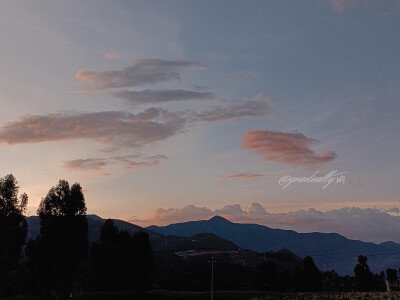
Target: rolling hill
x=193, y=249
x=329, y=250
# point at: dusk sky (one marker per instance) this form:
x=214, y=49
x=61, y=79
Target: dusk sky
x=169, y=111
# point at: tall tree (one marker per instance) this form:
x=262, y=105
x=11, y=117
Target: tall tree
x=268, y=275
x=13, y=228
x=391, y=275
x=363, y=276
x=311, y=276
x=143, y=259
x=119, y=261
x=62, y=246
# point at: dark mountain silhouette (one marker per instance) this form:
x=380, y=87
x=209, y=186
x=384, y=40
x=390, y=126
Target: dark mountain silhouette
x=194, y=249
x=94, y=225
x=329, y=250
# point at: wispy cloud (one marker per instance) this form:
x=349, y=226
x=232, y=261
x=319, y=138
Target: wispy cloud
x=289, y=148
x=86, y=164
x=114, y=128
x=161, y=96
x=243, y=77
x=246, y=108
x=112, y=55
x=366, y=113
x=240, y=176
x=340, y=5
x=143, y=72
x=337, y=5
x=121, y=129
x=126, y=161
x=368, y=224
x=138, y=160
x=174, y=215
x=358, y=183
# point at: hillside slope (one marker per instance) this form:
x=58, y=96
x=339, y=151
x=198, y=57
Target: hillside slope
x=329, y=250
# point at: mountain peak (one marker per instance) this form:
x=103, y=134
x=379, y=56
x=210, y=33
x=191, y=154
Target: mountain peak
x=218, y=219
x=94, y=217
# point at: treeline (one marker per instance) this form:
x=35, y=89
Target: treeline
x=60, y=263
x=267, y=276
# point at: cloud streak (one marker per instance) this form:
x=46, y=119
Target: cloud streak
x=244, y=77
x=86, y=164
x=245, y=108
x=119, y=129
x=127, y=162
x=112, y=55
x=161, y=96
x=240, y=176
x=114, y=128
x=340, y=5
x=288, y=148
x=337, y=5
x=142, y=72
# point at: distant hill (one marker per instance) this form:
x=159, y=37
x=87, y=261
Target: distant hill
x=329, y=250
x=196, y=249
x=94, y=225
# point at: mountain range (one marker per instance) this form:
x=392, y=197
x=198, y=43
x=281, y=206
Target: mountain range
x=329, y=250
x=249, y=244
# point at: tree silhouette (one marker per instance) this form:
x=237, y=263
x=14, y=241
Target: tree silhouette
x=391, y=275
x=363, y=276
x=311, y=276
x=121, y=262
x=143, y=259
x=60, y=251
x=63, y=201
x=268, y=274
x=13, y=228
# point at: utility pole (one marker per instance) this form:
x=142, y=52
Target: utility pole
x=212, y=278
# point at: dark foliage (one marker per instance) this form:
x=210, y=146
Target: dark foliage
x=391, y=274
x=119, y=261
x=13, y=230
x=58, y=264
x=57, y=257
x=268, y=275
x=365, y=280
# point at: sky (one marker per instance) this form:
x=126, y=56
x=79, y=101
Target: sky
x=169, y=111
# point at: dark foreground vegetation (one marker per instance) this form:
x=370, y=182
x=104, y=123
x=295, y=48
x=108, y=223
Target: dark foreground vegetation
x=231, y=295
x=60, y=263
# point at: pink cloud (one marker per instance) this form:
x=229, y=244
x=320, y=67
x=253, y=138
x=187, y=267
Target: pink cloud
x=175, y=215
x=114, y=128
x=289, y=148
x=86, y=164
x=112, y=55
x=358, y=183
x=337, y=5
x=162, y=96
x=240, y=176
x=246, y=108
x=117, y=129
x=366, y=114
x=127, y=162
x=340, y=5
x=142, y=72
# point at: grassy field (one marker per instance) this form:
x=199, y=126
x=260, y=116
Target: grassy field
x=233, y=295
